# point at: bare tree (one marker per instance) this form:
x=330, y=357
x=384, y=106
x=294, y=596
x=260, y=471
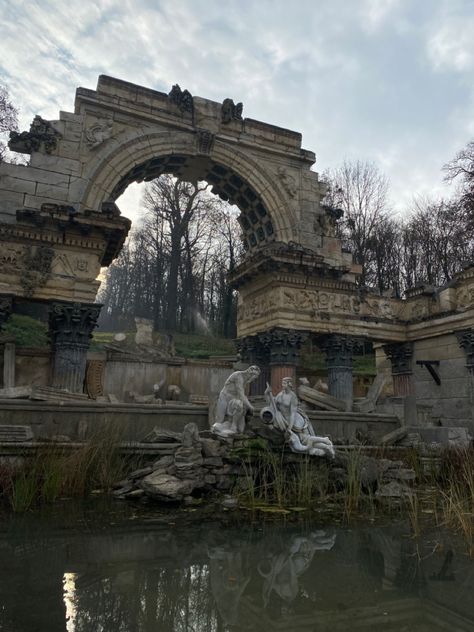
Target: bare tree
x=174, y=269
x=461, y=170
x=8, y=120
x=360, y=190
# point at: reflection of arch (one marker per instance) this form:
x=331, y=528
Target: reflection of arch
x=142, y=156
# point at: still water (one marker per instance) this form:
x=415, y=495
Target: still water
x=106, y=568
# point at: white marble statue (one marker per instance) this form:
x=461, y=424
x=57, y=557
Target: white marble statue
x=285, y=415
x=233, y=404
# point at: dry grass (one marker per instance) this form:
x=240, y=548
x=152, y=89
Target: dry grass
x=54, y=472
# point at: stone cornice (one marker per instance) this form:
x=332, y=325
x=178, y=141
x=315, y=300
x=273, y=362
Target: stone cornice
x=103, y=233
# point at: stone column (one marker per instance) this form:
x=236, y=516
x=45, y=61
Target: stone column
x=70, y=329
x=339, y=349
x=251, y=351
x=6, y=302
x=400, y=355
x=466, y=342
x=9, y=365
x=283, y=348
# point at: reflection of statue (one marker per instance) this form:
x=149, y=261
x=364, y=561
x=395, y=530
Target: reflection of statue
x=281, y=572
x=228, y=581
x=284, y=413
x=233, y=403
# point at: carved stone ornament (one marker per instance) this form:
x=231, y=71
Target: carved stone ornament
x=231, y=111
x=251, y=350
x=72, y=324
x=339, y=349
x=283, y=345
x=42, y=134
x=5, y=309
x=36, y=268
x=183, y=99
x=99, y=132
x=205, y=141
x=288, y=182
x=400, y=355
x=466, y=342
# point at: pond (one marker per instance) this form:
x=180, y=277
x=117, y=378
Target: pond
x=104, y=567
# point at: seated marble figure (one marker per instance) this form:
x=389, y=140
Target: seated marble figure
x=233, y=404
x=284, y=413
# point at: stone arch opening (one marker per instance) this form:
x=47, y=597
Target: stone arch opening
x=254, y=219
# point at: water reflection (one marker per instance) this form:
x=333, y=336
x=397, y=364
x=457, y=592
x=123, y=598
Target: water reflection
x=139, y=578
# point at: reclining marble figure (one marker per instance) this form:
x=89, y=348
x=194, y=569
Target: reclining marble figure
x=285, y=415
x=233, y=404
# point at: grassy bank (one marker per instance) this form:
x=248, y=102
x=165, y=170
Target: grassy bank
x=28, y=332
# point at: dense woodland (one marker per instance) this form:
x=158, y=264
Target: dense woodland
x=174, y=266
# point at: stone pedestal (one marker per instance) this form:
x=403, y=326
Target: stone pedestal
x=339, y=350
x=400, y=355
x=70, y=329
x=9, y=365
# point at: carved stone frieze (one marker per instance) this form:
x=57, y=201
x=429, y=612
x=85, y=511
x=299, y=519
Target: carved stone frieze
x=42, y=135
x=36, y=268
x=99, y=131
x=465, y=296
x=11, y=257
x=400, y=355
x=314, y=301
x=231, y=111
x=283, y=345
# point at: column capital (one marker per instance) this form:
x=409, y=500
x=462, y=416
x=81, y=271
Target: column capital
x=251, y=350
x=72, y=324
x=70, y=329
x=283, y=345
x=6, y=304
x=339, y=349
x=466, y=342
x=400, y=355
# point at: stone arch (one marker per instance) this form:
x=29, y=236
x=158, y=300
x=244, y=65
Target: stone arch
x=143, y=155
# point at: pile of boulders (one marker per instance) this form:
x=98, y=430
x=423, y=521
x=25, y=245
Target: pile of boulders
x=206, y=463
x=196, y=463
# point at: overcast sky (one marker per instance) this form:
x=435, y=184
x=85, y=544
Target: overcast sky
x=388, y=81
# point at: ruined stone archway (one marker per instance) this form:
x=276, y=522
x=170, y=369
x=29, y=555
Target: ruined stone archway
x=240, y=180
x=59, y=224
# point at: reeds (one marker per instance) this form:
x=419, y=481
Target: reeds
x=457, y=493
x=269, y=479
x=61, y=471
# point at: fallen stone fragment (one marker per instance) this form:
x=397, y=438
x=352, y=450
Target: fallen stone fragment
x=15, y=392
x=166, y=487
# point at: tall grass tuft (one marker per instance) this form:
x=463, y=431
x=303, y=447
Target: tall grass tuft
x=269, y=479
x=55, y=471
x=457, y=491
